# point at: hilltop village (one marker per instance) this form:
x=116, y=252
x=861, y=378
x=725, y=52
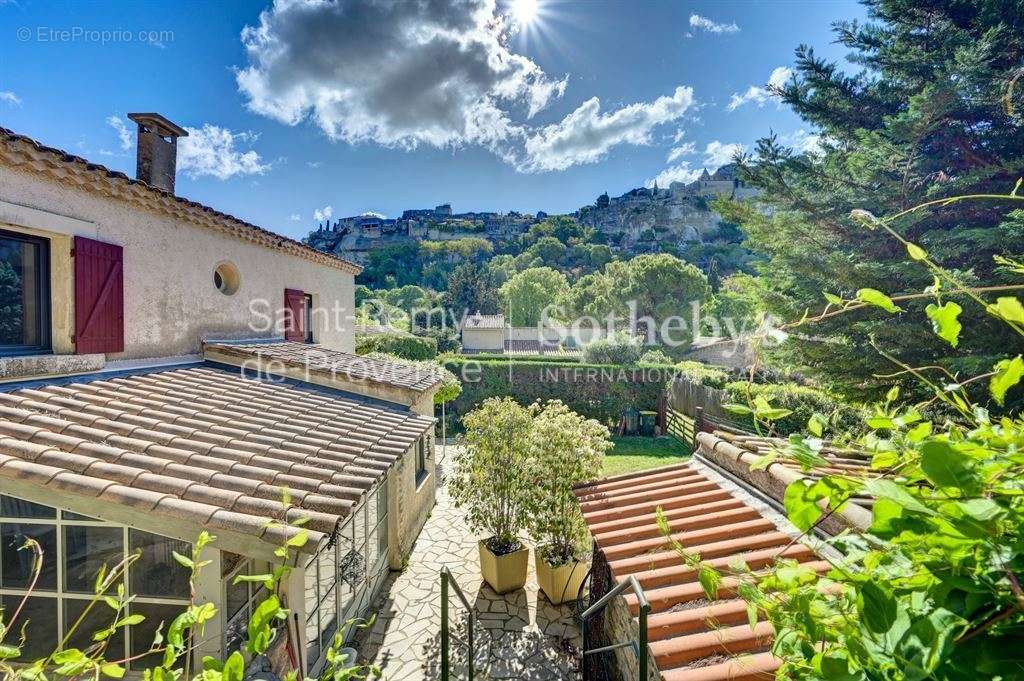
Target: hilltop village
x=635, y=222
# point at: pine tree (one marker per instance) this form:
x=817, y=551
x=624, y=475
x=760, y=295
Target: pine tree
x=934, y=111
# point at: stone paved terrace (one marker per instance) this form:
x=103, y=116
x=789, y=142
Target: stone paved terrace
x=519, y=635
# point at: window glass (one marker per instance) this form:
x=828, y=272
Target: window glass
x=141, y=635
x=343, y=546
x=156, y=573
x=99, y=617
x=86, y=550
x=328, y=618
x=23, y=300
x=68, y=515
x=40, y=618
x=12, y=507
x=312, y=579
x=17, y=564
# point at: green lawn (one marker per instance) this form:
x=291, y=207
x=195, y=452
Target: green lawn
x=639, y=453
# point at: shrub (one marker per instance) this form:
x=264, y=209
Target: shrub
x=406, y=347
x=619, y=349
x=490, y=479
x=704, y=374
x=566, y=449
x=600, y=392
x=655, y=357
x=802, y=401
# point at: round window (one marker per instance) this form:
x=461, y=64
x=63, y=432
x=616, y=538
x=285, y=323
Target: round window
x=226, y=278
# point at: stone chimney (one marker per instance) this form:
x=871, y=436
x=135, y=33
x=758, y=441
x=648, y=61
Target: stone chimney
x=157, y=155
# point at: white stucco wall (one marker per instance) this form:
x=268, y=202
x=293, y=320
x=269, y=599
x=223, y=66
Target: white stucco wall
x=483, y=339
x=170, y=301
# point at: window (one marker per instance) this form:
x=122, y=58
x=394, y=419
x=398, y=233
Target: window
x=343, y=579
x=226, y=278
x=74, y=549
x=308, y=312
x=421, y=459
x=24, y=294
x=239, y=601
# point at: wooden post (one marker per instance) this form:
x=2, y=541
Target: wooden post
x=698, y=425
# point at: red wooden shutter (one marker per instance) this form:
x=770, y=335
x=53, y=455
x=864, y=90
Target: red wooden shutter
x=99, y=296
x=294, y=315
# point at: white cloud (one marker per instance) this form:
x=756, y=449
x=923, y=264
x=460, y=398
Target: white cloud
x=760, y=95
x=295, y=217
x=10, y=98
x=399, y=74
x=705, y=24
x=314, y=164
x=123, y=133
x=210, y=150
x=681, y=172
x=803, y=142
x=684, y=149
x=321, y=214
x=586, y=134
x=718, y=154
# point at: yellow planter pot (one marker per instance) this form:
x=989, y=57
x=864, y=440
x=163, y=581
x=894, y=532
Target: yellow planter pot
x=504, y=573
x=560, y=584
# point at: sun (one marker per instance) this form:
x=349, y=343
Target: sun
x=524, y=12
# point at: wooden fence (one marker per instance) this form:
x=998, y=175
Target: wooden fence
x=692, y=408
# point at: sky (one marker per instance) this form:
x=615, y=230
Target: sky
x=306, y=109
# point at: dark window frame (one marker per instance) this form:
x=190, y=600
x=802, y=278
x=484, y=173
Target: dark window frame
x=42, y=298
x=421, y=459
x=307, y=313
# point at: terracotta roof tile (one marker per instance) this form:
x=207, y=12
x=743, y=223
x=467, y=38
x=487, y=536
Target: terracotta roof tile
x=26, y=153
x=690, y=638
x=146, y=442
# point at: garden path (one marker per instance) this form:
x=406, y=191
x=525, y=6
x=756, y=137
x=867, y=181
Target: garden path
x=519, y=635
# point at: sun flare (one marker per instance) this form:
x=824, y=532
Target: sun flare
x=524, y=12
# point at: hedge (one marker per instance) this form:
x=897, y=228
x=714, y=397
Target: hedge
x=704, y=374
x=549, y=358
x=407, y=347
x=802, y=400
x=601, y=392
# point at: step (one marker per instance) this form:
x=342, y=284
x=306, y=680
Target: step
x=714, y=549
x=734, y=640
x=727, y=515
x=702, y=536
x=755, y=560
x=760, y=667
x=631, y=479
x=667, y=625
x=647, y=508
x=669, y=489
x=645, y=516
x=665, y=598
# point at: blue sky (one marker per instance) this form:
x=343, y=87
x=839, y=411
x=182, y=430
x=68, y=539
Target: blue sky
x=361, y=106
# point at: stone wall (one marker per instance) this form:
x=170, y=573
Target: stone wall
x=411, y=501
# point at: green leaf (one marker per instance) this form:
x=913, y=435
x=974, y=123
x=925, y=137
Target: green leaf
x=877, y=298
x=945, y=321
x=9, y=652
x=877, y=606
x=801, y=507
x=112, y=669
x=710, y=580
x=234, y=667
x=1008, y=374
x=1007, y=308
x=816, y=424
x=887, y=489
x=130, y=620
x=920, y=431
x=183, y=560
x=916, y=252
x=945, y=466
x=835, y=300
x=983, y=510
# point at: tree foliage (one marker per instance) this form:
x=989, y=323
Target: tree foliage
x=931, y=115
x=528, y=293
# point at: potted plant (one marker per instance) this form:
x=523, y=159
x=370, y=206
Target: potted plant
x=565, y=450
x=489, y=482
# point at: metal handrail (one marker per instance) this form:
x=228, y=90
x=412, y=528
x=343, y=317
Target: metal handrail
x=640, y=644
x=447, y=582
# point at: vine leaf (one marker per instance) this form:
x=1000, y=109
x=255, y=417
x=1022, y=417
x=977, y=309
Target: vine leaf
x=877, y=298
x=1007, y=308
x=916, y=252
x=945, y=466
x=1008, y=374
x=945, y=321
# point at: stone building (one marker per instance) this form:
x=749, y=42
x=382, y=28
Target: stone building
x=166, y=368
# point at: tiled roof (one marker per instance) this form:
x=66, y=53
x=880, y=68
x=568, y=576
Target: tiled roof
x=74, y=171
x=332, y=363
x=484, y=321
x=691, y=638
x=202, y=448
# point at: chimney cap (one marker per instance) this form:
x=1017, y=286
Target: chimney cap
x=159, y=124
